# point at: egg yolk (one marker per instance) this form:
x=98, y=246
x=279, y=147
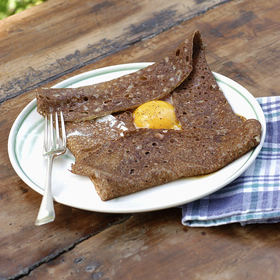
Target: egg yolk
x=156, y=114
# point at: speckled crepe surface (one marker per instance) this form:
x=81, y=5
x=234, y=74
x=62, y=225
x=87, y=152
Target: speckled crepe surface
x=126, y=92
x=212, y=137
x=121, y=159
x=145, y=158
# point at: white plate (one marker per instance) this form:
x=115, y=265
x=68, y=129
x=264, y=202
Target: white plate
x=25, y=152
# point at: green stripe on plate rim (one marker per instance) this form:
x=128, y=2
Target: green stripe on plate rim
x=240, y=93
x=21, y=143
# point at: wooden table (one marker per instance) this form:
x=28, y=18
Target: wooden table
x=59, y=39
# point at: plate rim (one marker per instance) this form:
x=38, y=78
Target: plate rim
x=116, y=68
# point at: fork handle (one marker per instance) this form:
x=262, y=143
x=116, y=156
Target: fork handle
x=46, y=212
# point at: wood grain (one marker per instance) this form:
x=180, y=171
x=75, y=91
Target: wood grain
x=243, y=42
x=156, y=246
x=46, y=41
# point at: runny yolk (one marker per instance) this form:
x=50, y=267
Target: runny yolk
x=156, y=114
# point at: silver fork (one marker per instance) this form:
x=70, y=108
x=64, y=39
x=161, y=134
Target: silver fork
x=54, y=145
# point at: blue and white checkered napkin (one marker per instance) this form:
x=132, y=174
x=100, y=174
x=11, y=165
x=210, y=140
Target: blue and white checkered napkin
x=254, y=197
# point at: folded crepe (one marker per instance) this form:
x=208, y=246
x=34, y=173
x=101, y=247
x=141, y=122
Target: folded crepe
x=121, y=159
x=129, y=91
x=145, y=158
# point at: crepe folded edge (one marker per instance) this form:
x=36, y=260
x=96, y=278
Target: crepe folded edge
x=164, y=156
x=119, y=177
x=127, y=92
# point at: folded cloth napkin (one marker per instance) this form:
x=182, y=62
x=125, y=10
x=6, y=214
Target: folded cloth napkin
x=254, y=197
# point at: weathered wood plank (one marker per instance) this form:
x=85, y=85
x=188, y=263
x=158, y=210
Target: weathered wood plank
x=90, y=35
x=243, y=43
x=236, y=51
x=156, y=246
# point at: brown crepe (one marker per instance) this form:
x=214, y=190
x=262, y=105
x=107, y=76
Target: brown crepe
x=121, y=159
x=129, y=91
x=146, y=157
x=199, y=102
x=89, y=135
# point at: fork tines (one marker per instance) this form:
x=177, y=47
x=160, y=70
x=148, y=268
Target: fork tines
x=54, y=139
